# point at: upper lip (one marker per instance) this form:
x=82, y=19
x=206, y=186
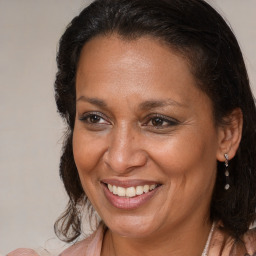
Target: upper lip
x=129, y=183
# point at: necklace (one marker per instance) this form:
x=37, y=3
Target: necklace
x=206, y=247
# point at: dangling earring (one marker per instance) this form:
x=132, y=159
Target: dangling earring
x=227, y=186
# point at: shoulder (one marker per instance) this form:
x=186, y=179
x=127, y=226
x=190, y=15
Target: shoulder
x=23, y=252
x=249, y=240
x=225, y=245
x=89, y=246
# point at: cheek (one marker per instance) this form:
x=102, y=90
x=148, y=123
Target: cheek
x=175, y=153
x=87, y=151
x=188, y=154
x=189, y=168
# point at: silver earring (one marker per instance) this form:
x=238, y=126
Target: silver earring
x=227, y=186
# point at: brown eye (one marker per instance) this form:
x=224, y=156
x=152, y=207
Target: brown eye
x=161, y=122
x=157, y=121
x=94, y=119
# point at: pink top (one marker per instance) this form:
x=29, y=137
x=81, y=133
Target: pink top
x=221, y=245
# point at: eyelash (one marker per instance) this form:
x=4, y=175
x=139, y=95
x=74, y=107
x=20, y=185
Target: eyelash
x=151, y=118
x=85, y=118
x=164, y=119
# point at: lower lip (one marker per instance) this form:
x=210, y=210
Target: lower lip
x=128, y=203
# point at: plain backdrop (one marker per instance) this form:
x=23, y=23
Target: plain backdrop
x=31, y=193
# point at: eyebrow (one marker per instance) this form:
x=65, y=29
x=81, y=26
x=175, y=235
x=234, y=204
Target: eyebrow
x=94, y=101
x=146, y=105
x=151, y=104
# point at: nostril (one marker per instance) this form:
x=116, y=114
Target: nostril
x=124, y=153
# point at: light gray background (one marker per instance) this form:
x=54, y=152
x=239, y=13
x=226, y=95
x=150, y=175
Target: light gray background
x=31, y=194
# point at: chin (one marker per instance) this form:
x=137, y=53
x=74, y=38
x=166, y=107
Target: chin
x=133, y=226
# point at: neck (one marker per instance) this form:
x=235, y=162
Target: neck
x=178, y=241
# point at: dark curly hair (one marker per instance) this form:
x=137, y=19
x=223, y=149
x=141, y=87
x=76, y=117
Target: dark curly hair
x=195, y=30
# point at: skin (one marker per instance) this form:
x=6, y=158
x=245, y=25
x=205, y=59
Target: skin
x=118, y=136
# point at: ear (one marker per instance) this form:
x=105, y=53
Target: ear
x=229, y=134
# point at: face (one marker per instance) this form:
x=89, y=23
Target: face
x=144, y=139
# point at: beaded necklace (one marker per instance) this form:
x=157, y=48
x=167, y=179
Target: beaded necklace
x=206, y=247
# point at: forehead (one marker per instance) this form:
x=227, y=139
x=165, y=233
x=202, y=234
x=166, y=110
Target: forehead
x=143, y=66
x=142, y=53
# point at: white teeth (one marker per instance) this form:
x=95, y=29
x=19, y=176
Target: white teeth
x=114, y=190
x=131, y=191
x=110, y=187
x=121, y=191
x=139, y=190
x=151, y=187
x=146, y=188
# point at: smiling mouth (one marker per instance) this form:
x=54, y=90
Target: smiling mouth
x=130, y=192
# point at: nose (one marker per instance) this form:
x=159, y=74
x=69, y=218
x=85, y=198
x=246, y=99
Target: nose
x=125, y=151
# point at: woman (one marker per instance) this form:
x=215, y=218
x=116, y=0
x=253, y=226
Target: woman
x=162, y=128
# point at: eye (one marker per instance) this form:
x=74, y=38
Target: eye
x=157, y=121
x=94, y=119
x=160, y=122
